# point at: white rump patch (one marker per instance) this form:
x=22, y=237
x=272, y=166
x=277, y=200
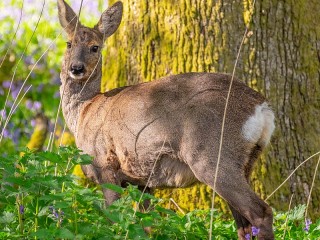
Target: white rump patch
x=259, y=127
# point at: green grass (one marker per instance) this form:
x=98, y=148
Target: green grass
x=41, y=199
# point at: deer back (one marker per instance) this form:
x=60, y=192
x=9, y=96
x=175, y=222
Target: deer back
x=141, y=123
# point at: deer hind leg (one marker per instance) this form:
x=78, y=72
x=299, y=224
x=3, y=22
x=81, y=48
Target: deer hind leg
x=246, y=205
x=232, y=185
x=243, y=225
x=250, y=206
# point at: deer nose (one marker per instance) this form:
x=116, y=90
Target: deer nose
x=77, y=69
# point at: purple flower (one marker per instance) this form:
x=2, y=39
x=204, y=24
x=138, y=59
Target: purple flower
x=28, y=60
x=37, y=105
x=26, y=87
x=33, y=122
x=9, y=103
x=308, y=223
x=21, y=209
x=255, y=231
x=6, y=84
x=56, y=94
x=9, y=11
x=51, y=127
x=92, y=7
x=14, y=93
x=40, y=87
x=3, y=114
x=1, y=90
x=6, y=133
x=57, y=214
x=16, y=136
x=56, y=81
x=247, y=236
x=87, y=7
x=29, y=104
x=54, y=212
x=52, y=71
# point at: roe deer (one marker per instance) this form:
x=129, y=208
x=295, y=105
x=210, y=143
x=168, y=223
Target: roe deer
x=168, y=129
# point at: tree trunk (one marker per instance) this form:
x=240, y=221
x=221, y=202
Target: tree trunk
x=280, y=58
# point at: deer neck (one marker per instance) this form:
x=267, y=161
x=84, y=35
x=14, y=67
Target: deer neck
x=74, y=94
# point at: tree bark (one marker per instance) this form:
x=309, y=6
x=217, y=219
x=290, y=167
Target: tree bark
x=280, y=58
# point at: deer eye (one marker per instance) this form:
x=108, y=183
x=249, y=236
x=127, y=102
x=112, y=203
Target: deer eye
x=94, y=48
x=68, y=45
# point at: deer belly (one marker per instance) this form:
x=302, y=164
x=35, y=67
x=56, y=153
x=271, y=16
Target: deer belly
x=163, y=171
x=171, y=172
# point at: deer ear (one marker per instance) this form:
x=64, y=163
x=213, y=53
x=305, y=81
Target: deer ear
x=68, y=19
x=110, y=19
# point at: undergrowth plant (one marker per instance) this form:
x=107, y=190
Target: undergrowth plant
x=41, y=199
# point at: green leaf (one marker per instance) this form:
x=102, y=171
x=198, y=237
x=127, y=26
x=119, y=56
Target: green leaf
x=113, y=187
x=113, y=216
x=166, y=211
x=4, y=235
x=10, y=188
x=64, y=233
x=43, y=211
x=83, y=159
x=297, y=213
x=63, y=204
x=147, y=221
x=7, y=217
x=317, y=228
x=43, y=234
x=136, y=232
x=51, y=197
x=50, y=156
x=20, y=181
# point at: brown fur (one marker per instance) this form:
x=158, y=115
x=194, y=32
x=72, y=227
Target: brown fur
x=168, y=129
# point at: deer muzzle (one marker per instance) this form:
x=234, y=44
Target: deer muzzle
x=77, y=70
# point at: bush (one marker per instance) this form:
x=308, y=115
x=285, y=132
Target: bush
x=41, y=199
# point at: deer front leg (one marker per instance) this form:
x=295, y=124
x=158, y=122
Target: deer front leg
x=106, y=169
x=108, y=175
x=101, y=175
x=90, y=172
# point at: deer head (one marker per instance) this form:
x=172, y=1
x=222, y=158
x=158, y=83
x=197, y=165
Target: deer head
x=83, y=54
